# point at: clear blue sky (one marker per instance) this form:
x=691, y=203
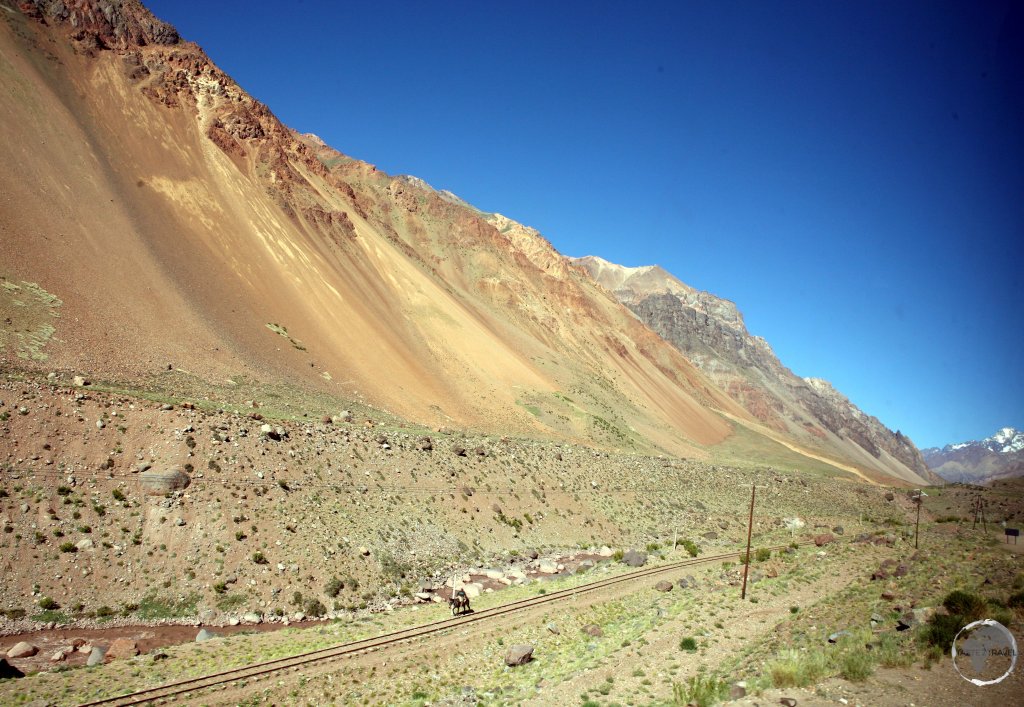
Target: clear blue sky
x=851, y=174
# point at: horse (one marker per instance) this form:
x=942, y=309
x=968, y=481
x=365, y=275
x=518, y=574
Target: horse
x=459, y=604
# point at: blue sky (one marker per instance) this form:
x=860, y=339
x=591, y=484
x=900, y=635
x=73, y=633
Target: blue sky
x=851, y=174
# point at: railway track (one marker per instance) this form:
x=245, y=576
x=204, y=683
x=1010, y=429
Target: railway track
x=179, y=689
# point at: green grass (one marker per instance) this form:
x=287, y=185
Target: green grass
x=700, y=690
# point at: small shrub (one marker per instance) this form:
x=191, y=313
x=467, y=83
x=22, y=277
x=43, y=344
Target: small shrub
x=118, y=495
x=793, y=668
x=220, y=587
x=653, y=547
x=688, y=644
x=700, y=690
x=260, y=559
x=1015, y=600
x=856, y=664
x=618, y=555
x=762, y=554
x=104, y=611
x=315, y=608
x=240, y=536
x=794, y=609
x=970, y=606
x=48, y=604
x=333, y=587
x=68, y=547
x=64, y=491
x=690, y=547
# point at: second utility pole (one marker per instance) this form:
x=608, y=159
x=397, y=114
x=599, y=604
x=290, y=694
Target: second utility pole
x=750, y=527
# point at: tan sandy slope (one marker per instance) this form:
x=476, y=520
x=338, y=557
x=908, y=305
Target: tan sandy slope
x=176, y=218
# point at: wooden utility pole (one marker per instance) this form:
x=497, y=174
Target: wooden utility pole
x=750, y=528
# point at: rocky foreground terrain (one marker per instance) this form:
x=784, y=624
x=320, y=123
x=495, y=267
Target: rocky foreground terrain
x=112, y=503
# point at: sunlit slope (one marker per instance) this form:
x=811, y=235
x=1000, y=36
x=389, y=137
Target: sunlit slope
x=181, y=224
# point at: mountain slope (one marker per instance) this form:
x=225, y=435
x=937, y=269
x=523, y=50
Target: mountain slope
x=711, y=333
x=1000, y=456
x=181, y=225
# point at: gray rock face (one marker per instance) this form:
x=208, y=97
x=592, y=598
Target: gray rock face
x=634, y=558
x=157, y=482
x=518, y=655
x=205, y=635
x=96, y=656
x=711, y=333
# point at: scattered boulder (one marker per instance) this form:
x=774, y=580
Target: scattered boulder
x=585, y=566
x=824, y=539
x=593, y=630
x=23, y=649
x=787, y=702
x=553, y=628
x=687, y=582
x=518, y=655
x=889, y=496
x=459, y=451
x=205, y=634
x=547, y=566
x=159, y=483
x=343, y=416
x=120, y=649
x=532, y=554
x=663, y=586
x=425, y=444
x=737, y=690
x=59, y=656
x=634, y=558
x=252, y=618
x=710, y=535
x=96, y=656
x=838, y=530
x=605, y=551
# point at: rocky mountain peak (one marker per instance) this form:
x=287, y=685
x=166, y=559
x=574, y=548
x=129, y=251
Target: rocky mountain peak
x=710, y=331
x=999, y=456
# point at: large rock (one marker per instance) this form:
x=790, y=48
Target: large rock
x=519, y=655
x=121, y=649
x=634, y=558
x=663, y=586
x=205, y=635
x=157, y=482
x=96, y=656
x=547, y=566
x=824, y=539
x=473, y=589
x=24, y=649
x=8, y=671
